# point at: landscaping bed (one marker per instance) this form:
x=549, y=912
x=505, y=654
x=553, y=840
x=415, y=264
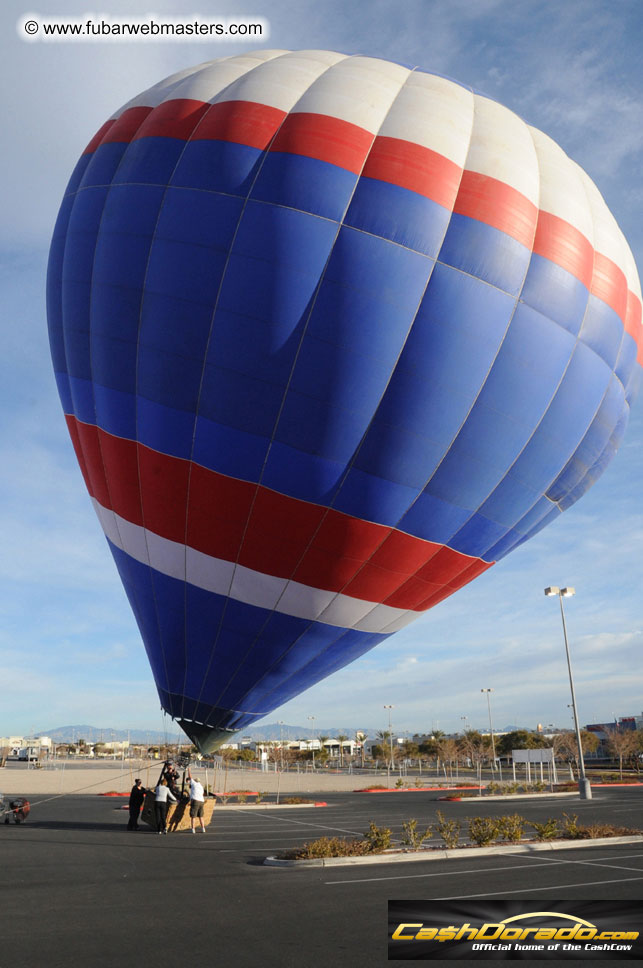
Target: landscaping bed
x=458, y=853
x=514, y=790
x=240, y=798
x=506, y=832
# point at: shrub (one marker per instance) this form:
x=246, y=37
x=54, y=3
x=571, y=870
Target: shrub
x=589, y=831
x=483, y=830
x=331, y=847
x=399, y=783
x=413, y=837
x=378, y=838
x=493, y=787
x=511, y=827
x=547, y=830
x=449, y=830
x=297, y=800
x=242, y=797
x=536, y=787
x=419, y=782
x=259, y=797
x=571, y=828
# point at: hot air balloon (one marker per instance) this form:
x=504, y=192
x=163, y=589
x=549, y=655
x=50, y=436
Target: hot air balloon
x=332, y=336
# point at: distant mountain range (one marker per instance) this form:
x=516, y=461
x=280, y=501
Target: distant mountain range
x=154, y=737
x=94, y=734
x=271, y=731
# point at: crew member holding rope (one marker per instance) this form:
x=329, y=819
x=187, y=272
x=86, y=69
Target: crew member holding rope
x=197, y=801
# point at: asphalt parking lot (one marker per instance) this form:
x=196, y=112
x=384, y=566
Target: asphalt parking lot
x=75, y=884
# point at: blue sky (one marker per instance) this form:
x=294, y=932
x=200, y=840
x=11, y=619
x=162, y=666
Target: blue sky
x=69, y=647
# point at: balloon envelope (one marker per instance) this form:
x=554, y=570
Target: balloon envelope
x=331, y=336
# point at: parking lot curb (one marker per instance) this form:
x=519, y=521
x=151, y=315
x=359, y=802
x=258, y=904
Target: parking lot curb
x=637, y=784
x=421, y=789
x=511, y=796
x=453, y=854
x=269, y=806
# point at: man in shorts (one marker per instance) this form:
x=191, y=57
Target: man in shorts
x=197, y=800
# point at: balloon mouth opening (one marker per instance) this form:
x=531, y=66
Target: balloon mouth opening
x=207, y=739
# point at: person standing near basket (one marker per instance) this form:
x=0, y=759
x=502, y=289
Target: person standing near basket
x=197, y=802
x=136, y=798
x=162, y=797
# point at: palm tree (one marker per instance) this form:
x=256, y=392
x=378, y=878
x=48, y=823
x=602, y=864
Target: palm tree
x=323, y=752
x=341, y=739
x=385, y=736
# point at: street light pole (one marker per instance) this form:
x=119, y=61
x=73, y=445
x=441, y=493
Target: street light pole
x=390, y=731
x=584, y=788
x=493, y=742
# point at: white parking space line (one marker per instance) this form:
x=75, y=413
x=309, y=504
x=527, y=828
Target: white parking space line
x=597, y=863
x=413, y=877
x=536, y=890
x=621, y=809
x=246, y=850
x=257, y=843
x=533, y=861
x=318, y=826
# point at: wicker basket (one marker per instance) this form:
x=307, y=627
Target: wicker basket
x=178, y=814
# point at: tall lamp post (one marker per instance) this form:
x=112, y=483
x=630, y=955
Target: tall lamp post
x=390, y=731
x=493, y=741
x=312, y=720
x=584, y=788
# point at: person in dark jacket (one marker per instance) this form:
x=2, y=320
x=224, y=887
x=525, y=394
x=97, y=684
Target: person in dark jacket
x=171, y=774
x=136, y=798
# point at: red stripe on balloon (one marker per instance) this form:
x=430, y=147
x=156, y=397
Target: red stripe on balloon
x=633, y=323
x=609, y=284
x=324, y=138
x=497, y=204
x=240, y=122
x=173, y=119
x=561, y=243
x=122, y=129
x=99, y=137
x=271, y=533
x=391, y=160
x=415, y=168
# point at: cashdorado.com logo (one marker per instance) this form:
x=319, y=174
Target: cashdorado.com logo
x=525, y=934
